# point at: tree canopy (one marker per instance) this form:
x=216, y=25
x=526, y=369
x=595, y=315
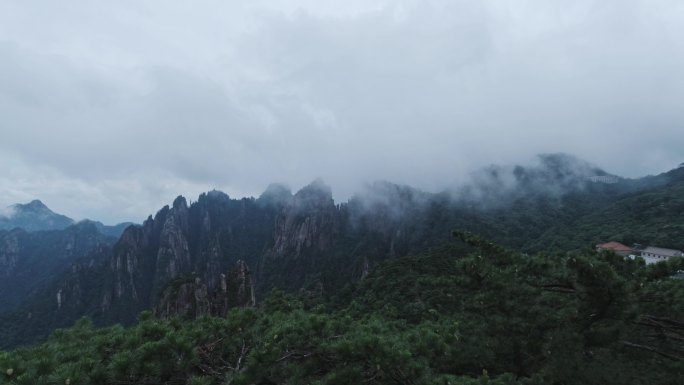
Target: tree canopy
x=489, y=317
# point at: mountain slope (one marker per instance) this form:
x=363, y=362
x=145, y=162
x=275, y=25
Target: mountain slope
x=29, y=261
x=652, y=217
x=33, y=216
x=307, y=243
x=489, y=317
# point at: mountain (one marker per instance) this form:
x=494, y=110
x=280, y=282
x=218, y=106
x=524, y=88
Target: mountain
x=33, y=216
x=36, y=216
x=651, y=215
x=29, y=261
x=110, y=231
x=177, y=261
x=552, y=175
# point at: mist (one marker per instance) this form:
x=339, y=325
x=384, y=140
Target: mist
x=112, y=110
x=7, y=212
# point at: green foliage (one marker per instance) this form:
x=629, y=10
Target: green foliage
x=490, y=317
x=650, y=218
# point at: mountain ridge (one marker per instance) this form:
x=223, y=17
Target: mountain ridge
x=36, y=216
x=306, y=241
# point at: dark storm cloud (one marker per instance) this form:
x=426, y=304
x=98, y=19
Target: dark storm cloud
x=110, y=110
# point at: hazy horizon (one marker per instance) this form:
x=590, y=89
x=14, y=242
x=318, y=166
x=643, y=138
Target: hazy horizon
x=362, y=188
x=111, y=110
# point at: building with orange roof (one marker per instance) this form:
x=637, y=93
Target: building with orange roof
x=616, y=247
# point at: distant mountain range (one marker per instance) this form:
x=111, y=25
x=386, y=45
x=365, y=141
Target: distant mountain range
x=234, y=251
x=35, y=216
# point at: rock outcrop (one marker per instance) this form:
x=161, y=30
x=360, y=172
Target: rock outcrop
x=202, y=241
x=190, y=260
x=191, y=298
x=307, y=225
x=185, y=299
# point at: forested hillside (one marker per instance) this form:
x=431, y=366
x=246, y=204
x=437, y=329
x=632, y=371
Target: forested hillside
x=490, y=316
x=653, y=217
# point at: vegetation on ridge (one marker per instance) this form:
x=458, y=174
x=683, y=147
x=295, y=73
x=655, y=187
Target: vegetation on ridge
x=490, y=317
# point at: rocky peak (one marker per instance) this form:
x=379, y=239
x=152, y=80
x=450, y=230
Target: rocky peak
x=307, y=223
x=314, y=197
x=180, y=214
x=35, y=205
x=166, y=234
x=214, y=195
x=203, y=238
x=276, y=194
x=316, y=190
x=180, y=203
x=173, y=256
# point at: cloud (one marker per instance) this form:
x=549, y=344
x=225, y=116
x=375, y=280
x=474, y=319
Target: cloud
x=127, y=106
x=7, y=212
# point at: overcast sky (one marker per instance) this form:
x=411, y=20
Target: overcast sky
x=109, y=110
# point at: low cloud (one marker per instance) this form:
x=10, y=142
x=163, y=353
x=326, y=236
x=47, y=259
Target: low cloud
x=7, y=212
x=110, y=113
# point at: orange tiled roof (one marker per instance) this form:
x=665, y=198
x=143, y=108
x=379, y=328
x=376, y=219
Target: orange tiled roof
x=615, y=246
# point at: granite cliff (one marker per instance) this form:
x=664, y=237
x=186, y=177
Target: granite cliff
x=217, y=253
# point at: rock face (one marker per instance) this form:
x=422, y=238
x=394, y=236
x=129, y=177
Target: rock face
x=215, y=254
x=302, y=241
x=28, y=260
x=307, y=224
x=305, y=234
x=56, y=302
x=239, y=287
x=190, y=297
x=219, y=253
x=126, y=262
x=173, y=255
x=202, y=241
x=147, y=257
x=9, y=252
x=185, y=300
x=77, y=288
